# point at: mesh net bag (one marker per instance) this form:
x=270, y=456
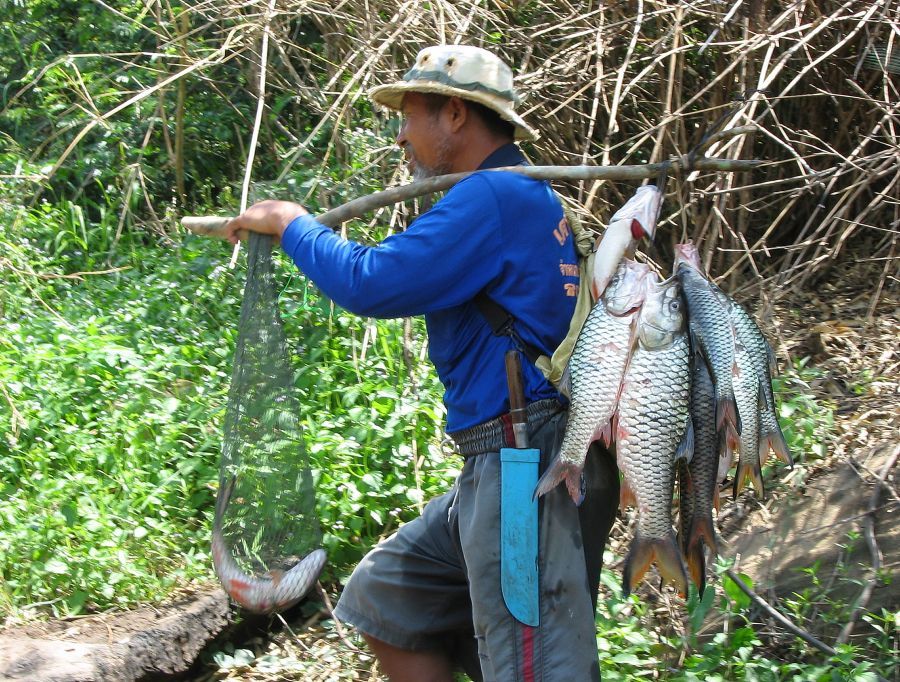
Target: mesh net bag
x=266, y=531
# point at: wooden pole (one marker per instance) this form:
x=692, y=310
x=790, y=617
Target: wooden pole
x=213, y=226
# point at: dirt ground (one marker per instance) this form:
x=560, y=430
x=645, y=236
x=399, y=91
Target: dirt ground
x=837, y=510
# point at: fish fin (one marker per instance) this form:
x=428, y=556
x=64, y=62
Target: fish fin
x=726, y=459
x=558, y=472
x=749, y=470
x=685, y=480
x=664, y=552
x=565, y=380
x=703, y=531
x=626, y=495
x=275, y=575
x=606, y=431
x=695, y=561
x=716, y=500
x=774, y=439
x=730, y=437
x=727, y=413
x=735, y=367
x=685, y=449
x=696, y=344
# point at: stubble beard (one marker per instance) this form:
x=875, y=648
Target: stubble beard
x=441, y=166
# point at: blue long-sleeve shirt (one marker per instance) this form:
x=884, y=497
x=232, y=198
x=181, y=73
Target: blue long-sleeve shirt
x=501, y=232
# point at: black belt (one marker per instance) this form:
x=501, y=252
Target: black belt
x=497, y=433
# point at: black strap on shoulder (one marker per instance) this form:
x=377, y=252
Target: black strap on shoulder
x=503, y=324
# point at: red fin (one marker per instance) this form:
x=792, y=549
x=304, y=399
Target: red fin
x=702, y=531
x=727, y=414
x=664, y=552
x=726, y=459
x=775, y=441
x=696, y=566
x=607, y=431
x=750, y=471
x=626, y=495
x=558, y=472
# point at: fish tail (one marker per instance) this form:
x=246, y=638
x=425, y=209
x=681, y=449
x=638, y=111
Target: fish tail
x=749, y=470
x=664, y=552
x=774, y=439
x=696, y=565
x=702, y=531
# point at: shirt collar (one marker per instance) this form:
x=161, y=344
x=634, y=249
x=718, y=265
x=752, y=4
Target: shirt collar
x=507, y=155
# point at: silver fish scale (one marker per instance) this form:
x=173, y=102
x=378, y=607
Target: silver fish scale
x=300, y=578
x=597, y=365
x=705, y=463
x=752, y=339
x=653, y=410
x=711, y=325
x=746, y=395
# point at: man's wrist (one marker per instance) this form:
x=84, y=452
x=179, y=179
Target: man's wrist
x=290, y=213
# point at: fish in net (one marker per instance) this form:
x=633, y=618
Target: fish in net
x=266, y=533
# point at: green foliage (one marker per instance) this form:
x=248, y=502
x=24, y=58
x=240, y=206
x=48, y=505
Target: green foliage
x=115, y=384
x=634, y=644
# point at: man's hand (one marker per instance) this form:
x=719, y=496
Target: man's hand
x=266, y=217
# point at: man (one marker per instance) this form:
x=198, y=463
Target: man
x=428, y=599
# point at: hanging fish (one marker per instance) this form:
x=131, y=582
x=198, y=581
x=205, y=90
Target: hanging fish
x=762, y=361
x=697, y=480
x=654, y=430
x=275, y=591
x=634, y=221
x=595, y=374
x=712, y=332
x=756, y=404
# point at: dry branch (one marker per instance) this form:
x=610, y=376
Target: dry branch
x=213, y=226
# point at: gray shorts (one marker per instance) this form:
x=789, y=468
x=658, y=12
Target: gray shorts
x=435, y=584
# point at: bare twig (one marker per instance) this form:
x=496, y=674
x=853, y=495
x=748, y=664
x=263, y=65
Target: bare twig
x=869, y=530
x=782, y=620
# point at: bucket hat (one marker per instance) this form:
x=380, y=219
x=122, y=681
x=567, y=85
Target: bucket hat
x=464, y=71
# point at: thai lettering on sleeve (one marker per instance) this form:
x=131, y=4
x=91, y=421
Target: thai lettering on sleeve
x=567, y=270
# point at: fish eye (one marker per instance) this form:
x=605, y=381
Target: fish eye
x=674, y=306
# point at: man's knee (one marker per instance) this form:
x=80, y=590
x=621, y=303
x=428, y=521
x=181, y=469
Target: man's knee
x=404, y=665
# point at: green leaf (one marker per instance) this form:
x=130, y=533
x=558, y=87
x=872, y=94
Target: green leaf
x=56, y=566
x=735, y=594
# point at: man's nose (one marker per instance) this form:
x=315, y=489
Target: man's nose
x=401, y=136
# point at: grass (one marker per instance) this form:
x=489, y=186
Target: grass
x=114, y=386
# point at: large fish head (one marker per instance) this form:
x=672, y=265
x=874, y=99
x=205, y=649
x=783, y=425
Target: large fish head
x=662, y=315
x=625, y=292
x=687, y=253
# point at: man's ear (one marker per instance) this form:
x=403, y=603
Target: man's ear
x=457, y=113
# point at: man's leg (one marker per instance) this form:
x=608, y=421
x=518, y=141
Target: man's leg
x=564, y=647
x=402, y=665
x=409, y=598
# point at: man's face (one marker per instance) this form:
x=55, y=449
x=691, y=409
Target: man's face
x=423, y=138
